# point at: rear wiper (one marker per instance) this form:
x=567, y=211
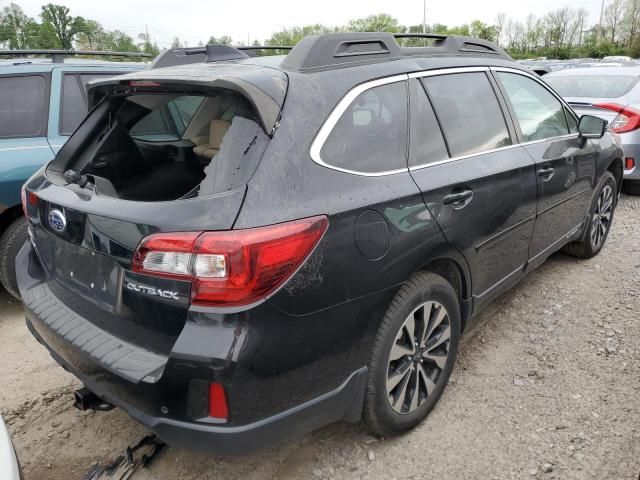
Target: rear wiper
x=71, y=176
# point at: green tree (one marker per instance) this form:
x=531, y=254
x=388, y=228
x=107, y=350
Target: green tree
x=483, y=30
x=147, y=45
x=291, y=36
x=65, y=26
x=16, y=28
x=91, y=37
x=381, y=22
x=224, y=40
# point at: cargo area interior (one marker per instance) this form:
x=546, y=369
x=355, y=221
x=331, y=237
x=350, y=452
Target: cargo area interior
x=167, y=146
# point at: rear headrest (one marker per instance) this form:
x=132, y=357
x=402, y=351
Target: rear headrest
x=217, y=130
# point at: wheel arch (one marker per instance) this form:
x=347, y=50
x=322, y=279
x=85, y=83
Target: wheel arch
x=8, y=216
x=617, y=170
x=453, y=268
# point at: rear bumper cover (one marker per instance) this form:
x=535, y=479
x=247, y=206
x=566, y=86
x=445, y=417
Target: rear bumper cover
x=345, y=402
x=631, y=150
x=145, y=400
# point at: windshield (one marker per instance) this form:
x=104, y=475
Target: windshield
x=594, y=86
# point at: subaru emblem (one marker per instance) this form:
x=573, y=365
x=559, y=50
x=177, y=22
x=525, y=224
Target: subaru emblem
x=57, y=220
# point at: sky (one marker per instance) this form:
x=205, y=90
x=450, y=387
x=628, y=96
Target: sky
x=196, y=20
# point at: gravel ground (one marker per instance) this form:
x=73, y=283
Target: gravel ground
x=546, y=386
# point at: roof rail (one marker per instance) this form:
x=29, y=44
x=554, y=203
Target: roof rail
x=57, y=56
x=209, y=53
x=336, y=50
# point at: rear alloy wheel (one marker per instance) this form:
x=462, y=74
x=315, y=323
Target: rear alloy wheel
x=418, y=357
x=413, y=354
x=600, y=218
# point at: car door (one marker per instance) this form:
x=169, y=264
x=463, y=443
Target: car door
x=477, y=183
x=565, y=163
x=23, y=132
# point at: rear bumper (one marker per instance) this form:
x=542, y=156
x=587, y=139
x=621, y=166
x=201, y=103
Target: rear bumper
x=269, y=400
x=345, y=402
x=632, y=150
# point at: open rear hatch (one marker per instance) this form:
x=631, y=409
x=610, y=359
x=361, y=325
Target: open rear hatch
x=155, y=155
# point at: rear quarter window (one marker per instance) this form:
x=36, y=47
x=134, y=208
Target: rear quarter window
x=23, y=106
x=371, y=134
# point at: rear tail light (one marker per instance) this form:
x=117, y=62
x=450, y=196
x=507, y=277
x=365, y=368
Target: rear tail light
x=28, y=198
x=629, y=163
x=231, y=268
x=218, y=407
x=628, y=118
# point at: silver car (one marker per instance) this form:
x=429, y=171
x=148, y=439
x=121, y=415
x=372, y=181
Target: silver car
x=9, y=468
x=613, y=94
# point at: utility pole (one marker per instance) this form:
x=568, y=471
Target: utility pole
x=424, y=16
x=600, y=31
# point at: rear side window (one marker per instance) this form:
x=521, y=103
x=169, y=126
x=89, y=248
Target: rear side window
x=23, y=106
x=539, y=113
x=468, y=111
x=371, y=134
x=426, y=144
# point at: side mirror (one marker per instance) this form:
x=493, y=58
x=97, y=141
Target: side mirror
x=591, y=127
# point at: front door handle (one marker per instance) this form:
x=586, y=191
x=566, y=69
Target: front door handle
x=546, y=173
x=458, y=198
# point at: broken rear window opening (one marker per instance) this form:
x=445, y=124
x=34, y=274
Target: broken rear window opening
x=169, y=146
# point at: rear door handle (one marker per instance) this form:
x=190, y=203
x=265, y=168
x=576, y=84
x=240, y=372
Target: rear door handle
x=546, y=173
x=458, y=198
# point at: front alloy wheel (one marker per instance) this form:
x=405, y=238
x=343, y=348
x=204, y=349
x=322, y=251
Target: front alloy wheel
x=418, y=357
x=601, y=218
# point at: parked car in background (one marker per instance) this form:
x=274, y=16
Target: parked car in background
x=9, y=465
x=42, y=101
x=612, y=94
x=310, y=244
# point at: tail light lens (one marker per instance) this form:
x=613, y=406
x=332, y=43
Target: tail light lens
x=231, y=268
x=28, y=198
x=628, y=118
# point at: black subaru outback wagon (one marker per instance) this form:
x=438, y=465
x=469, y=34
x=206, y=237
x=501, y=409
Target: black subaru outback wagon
x=311, y=238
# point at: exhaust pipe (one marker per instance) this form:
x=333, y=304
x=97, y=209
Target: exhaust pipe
x=85, y=399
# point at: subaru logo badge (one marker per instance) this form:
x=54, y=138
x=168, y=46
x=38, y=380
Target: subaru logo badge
x=57, y=220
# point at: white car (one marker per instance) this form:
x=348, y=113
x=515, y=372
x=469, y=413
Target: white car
x=9, y=467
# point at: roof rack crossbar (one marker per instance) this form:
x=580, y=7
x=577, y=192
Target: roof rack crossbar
x=57, y=55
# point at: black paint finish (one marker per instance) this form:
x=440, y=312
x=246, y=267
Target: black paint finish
x=298, y=360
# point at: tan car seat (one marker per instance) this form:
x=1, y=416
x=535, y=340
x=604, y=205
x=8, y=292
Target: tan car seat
x=208, y=146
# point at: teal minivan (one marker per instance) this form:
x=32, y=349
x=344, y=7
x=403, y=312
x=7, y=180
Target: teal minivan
x=42, y=101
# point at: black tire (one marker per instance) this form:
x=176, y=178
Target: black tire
x=10, y=244
x=631, y=188
x=587, y=248
x=423, y=288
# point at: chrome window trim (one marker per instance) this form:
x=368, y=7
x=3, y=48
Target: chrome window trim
x=447, y=71
x=463, y=157
x=343, y=104
x=334, y=116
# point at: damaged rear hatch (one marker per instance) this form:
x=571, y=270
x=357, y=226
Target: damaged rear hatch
x=169, y=150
